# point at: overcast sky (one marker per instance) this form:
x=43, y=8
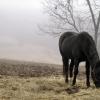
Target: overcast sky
x=20, y=38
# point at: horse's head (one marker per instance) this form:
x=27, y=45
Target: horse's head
x=96, y=74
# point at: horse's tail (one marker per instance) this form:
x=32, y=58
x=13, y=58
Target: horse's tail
x=60, y=43
x=64, y=69
x=63, y=37
x=63, y=60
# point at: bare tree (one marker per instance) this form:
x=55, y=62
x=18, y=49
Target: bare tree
x=96, y=24
x=67, y=15
x=62, y=15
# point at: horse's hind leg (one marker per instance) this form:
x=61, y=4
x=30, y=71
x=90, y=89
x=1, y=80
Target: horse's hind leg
x=71, y=68
x=76, y=62
x=87, y=74
x=65, y=69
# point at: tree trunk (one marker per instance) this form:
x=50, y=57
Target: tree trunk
x=96, y=29
x=96, y=25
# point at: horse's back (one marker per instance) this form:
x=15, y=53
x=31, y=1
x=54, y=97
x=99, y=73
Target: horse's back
x=76, y=45
x=86, y=41
x=66, y=35
x=84, y=36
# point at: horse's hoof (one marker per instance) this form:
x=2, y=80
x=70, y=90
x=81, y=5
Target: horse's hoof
x=73, y=84
x=66, y=81
x=88, y=85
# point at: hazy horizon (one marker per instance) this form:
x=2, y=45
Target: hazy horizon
x=20, y=38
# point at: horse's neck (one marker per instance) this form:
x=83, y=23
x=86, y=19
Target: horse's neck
x=93, y=59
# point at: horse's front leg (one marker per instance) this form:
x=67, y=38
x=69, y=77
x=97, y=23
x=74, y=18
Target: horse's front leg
x=71, y=67
x=76, y=62
x=87, y=74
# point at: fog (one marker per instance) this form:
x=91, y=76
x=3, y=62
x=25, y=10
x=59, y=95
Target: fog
x=20, y=38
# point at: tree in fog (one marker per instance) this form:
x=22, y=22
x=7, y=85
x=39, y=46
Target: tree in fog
x=73, y=15
x=96, y=22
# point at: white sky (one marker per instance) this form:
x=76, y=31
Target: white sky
x=19, y=35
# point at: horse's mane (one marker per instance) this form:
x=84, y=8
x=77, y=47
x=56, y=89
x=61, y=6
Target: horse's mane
x=91, y=47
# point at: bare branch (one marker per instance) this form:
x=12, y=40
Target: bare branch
x=92, y=14
x=62, y=11
x=67, y=15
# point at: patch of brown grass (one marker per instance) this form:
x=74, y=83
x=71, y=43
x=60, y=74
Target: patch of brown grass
x=24, y=69
x=43, y=88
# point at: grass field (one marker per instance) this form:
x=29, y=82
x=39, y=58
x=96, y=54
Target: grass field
x=43, y=88
x=37, y=81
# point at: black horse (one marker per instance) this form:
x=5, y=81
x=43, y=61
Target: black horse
x=80, y=47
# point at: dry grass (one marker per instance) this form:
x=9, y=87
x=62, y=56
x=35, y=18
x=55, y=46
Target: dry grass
x=43, y=88
x=18, y=68
x=49, y=85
